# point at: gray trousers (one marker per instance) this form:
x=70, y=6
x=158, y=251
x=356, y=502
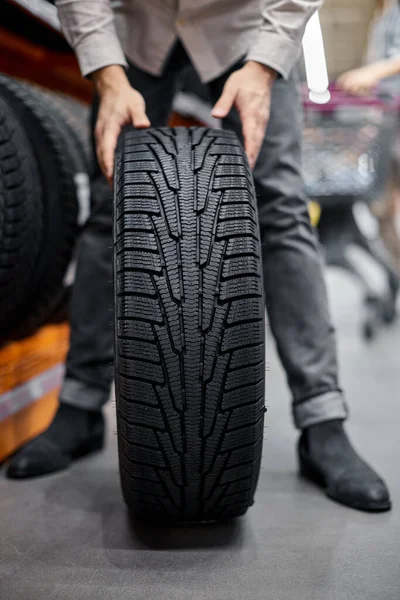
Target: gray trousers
x=293, y=278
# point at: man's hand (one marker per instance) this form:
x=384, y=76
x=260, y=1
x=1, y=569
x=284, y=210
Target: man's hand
x=360, y=82
x=120, y=105
x=249, y=90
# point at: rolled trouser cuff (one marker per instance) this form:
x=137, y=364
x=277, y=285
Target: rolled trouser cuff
x=81, y=395
x=325, y=407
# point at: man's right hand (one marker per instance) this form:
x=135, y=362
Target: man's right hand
x=120, y=105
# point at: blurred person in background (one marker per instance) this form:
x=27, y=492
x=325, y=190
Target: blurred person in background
x=383, y=57
x=382, y=72
x=245, y=53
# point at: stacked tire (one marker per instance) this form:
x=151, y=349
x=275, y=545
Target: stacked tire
x=189, y=325
x=43, y=158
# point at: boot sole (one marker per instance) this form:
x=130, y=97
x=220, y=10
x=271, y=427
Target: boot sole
x=310, y=473
x=94, y=445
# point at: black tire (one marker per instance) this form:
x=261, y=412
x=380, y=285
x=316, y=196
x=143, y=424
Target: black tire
x=60, y=205
x=20, y=215
x=76, y=117
x=73, y=119
x=189, y=325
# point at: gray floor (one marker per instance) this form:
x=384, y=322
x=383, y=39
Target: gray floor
x=68, y=536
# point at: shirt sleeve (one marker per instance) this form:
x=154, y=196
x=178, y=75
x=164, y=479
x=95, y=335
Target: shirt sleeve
x=88, y=26
x=280, y=35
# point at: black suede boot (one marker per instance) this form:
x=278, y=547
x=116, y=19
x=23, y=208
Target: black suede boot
x=327, y=458
x=72, y=434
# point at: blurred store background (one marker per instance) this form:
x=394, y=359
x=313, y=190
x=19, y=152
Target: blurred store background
x=350, y=166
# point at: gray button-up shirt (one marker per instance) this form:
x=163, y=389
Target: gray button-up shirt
x=215, y=33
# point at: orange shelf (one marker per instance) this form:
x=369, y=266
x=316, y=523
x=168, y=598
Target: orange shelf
x=30, y=376
x=57, y=71
x=26, y=424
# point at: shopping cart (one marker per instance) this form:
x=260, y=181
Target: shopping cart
x=347, y=149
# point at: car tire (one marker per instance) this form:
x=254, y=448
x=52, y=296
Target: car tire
x=20, y=216
x=189, y=325
x=56, y=170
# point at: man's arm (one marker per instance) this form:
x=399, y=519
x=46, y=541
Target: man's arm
x=280, y=36
x=89, y=27
x=274, y=53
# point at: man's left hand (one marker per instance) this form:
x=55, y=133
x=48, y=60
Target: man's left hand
x=249, y=91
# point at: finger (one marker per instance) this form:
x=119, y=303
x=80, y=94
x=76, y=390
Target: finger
x=225, y=103
x=99, y=150
x=106, y=150
x=253, y=128
x=138, y=115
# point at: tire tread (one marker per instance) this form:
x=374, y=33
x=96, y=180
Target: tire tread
x=202, y=369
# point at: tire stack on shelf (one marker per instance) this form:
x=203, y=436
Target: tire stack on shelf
x=44, y=199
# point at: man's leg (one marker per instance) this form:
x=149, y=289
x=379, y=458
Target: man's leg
x=298, y=308
x=293, y=278
x=78, y=425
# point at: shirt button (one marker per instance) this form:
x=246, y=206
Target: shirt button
x=181, y=22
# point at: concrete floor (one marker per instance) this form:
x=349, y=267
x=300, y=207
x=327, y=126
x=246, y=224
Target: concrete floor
x=68, y=536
